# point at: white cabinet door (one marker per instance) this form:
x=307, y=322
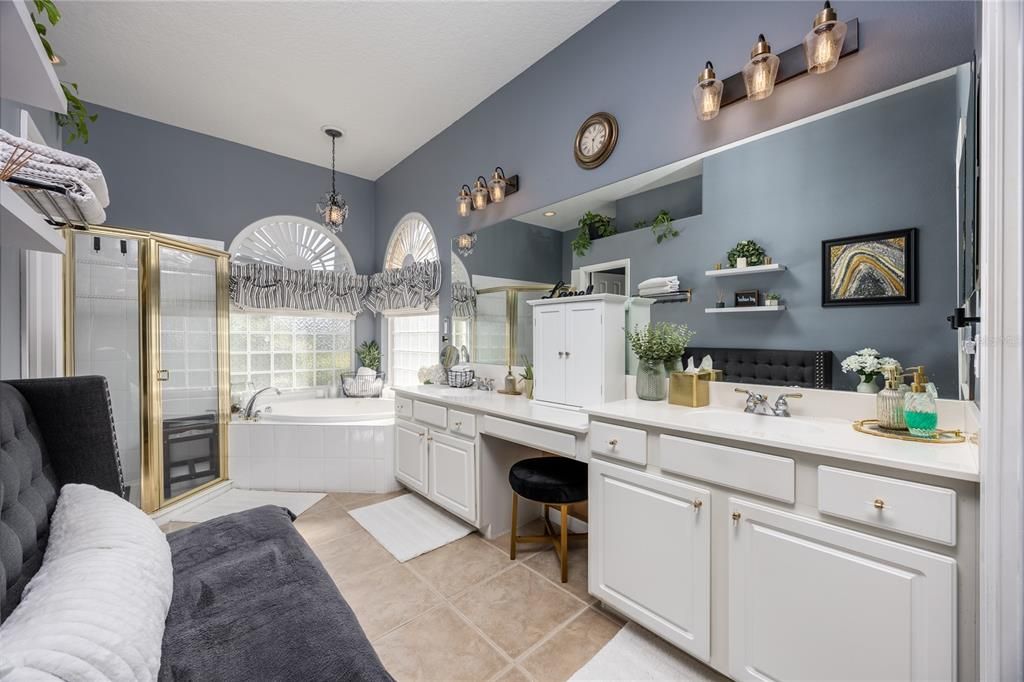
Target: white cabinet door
x=549, y=353
x=452, y=474
x=584, y=353
x=813, y=601
x=411, y=455
x=650, y=552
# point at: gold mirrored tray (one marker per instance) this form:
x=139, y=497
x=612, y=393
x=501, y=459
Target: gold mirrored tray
x=942, y=436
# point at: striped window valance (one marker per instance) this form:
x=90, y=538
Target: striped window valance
x=268, y=286
x=463, y=300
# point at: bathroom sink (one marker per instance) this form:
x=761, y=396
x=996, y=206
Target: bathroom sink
x=741, y=423
x=446, y=391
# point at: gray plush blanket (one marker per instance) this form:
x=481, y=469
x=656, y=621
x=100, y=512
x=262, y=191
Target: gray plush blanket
x=252, y=602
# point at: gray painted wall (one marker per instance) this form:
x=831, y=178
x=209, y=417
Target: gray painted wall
x=168, y=179
x=883, y=166
x=681, y=199
x=517, y=250
x=638, y=61
x=10, y=259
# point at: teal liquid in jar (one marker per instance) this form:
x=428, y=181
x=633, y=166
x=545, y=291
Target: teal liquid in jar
x=921, y=423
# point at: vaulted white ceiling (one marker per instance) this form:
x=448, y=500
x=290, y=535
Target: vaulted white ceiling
x=269, y=74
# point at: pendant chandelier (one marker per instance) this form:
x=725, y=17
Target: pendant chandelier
x=332, y=208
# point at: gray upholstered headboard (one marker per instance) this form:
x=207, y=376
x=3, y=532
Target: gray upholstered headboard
x=804, y=368
x=52, y=432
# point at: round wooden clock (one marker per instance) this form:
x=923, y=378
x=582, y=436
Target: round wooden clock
x=596, y=140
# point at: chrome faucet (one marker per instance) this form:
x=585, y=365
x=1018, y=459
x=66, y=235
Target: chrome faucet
x=757, y=403
x=247, y=412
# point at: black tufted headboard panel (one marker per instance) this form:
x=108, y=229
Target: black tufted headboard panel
x=52, y=432
x=804, y=368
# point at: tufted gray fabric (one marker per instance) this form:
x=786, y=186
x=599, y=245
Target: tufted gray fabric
x=806, y=368
x=46, y=426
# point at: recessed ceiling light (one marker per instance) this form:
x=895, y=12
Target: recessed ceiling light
x=57, y=60
x=548, y=214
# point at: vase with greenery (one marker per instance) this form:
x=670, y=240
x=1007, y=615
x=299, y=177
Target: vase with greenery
x=679, y=337
x=867, y=364
x=653, y=345
x=748, y=249
x=527, y=376
x=78, y=118
x=772, y=298
x=662, y=227
x=369, y=355
x=592, y=226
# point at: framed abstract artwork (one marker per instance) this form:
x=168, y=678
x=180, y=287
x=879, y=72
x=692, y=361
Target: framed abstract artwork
x=870, y=269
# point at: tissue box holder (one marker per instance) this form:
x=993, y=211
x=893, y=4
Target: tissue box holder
x=691, y=390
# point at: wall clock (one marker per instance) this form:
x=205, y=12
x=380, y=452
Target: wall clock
x=596, y=140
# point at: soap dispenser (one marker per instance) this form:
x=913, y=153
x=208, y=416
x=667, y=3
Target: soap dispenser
x=889, y=401
x=919, y=409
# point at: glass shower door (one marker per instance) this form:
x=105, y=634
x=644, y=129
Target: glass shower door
x=192, y=419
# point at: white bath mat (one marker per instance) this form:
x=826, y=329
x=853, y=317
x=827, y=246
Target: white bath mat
x=236, y=500
x=636, y=654
x=408, y=526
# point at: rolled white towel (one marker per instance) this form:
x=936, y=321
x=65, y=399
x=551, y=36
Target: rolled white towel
x=666, y=289
x=55, y=163
x=658, y=282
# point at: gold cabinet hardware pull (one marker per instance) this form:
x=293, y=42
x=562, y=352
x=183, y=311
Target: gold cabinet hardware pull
x=879, y=503
x=613, y=442
x=736, y=518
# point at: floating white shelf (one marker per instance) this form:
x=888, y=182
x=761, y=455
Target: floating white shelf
x=748, y=309
x=749, y=270
x=26, y=74
x=22, y=228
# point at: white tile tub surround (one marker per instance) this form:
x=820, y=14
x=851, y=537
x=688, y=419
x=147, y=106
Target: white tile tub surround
x=313, y=457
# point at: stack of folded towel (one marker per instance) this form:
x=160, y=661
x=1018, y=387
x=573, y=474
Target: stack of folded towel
x=81, y=178
x=659, y=286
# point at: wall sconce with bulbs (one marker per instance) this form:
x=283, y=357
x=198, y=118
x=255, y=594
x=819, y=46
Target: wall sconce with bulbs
x=828, y=41
x=483, y=192
x=464, y=243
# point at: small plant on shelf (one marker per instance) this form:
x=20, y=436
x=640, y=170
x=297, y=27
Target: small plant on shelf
x=592, y=226
x=662, y=227
x=527, y=376
x=772, y=298
x=369, y=355
x=748, y=249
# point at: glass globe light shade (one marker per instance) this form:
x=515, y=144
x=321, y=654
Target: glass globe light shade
x=464, y=202
x=497, y=186
x=480, y=194
x=707, y=94
x=824, y=44
x=760, y=72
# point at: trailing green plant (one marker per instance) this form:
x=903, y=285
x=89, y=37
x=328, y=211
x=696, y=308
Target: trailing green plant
x=640, y=224
x=662, y=227
x=369, y=355
x=78, y=118
x=772, y=296
x=659, y=342
x=601, y=226
x=748, y=249
x=527, y=373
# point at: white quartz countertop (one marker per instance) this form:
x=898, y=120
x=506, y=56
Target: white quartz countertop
x=825, y=436
x=516, y=407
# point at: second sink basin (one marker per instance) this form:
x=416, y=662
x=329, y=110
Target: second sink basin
x=729, y=421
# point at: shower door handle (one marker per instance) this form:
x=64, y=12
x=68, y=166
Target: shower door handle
x=163, y=375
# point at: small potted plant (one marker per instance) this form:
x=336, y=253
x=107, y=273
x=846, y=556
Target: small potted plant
x=662, y=227
x=867, y=364
x=745, y=253
x=592, y=226
x=527, y=377
x=771, y=299
x=654, y=346
x=369, y=355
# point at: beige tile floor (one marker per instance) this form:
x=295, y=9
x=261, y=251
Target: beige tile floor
x=463, y=611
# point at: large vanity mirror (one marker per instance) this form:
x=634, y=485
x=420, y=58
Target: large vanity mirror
x=857, y=225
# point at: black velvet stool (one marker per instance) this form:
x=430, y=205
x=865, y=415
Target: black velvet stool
x=553, y=482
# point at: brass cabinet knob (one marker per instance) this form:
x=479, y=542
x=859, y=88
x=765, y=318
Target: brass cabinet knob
x=736, y=518
x=879, y=503
x=613, y=442
x=697, y=504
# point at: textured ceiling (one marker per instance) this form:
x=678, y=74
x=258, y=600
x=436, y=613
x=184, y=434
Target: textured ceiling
x=269, y=74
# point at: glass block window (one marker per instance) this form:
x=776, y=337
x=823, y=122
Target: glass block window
x=289, y=351
x=413, y=344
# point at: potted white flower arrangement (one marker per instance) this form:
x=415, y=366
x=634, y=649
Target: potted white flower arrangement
x=867, y=363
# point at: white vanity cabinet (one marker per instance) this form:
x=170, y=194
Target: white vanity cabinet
x=813, y=601
x=650, y=552
x=411, y=455
x=579, y=352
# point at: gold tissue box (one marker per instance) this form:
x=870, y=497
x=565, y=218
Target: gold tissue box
x=691, y=390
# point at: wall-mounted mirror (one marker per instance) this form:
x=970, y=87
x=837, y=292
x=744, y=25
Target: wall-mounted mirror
x=861, y=223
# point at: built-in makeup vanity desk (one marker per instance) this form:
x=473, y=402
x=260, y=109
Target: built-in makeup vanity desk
x=456, y=445
x=787, y=548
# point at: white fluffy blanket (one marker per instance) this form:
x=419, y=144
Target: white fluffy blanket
x=97, y=606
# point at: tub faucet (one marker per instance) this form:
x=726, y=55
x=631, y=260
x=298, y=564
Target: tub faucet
x=247, y=412
x=757, y=403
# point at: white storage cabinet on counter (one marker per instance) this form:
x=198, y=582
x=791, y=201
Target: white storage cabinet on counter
x=823, y=568
x=579, y=349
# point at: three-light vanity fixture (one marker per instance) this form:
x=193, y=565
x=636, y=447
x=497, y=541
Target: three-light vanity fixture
x=484, y=192
x=820, y=53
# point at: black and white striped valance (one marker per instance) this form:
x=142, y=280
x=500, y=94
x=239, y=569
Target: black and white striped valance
x=463, y=300
x=414, y=286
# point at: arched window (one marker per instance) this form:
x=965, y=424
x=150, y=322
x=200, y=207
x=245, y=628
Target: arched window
x=412, y=241
x=412, y=334
x=292, y=242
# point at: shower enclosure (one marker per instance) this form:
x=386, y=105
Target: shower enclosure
x=149, y=312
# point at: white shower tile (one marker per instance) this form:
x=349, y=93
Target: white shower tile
x=261, y=440
x=286, y=474
x=362, y=476
x=239, y=471
x=337, y=477
x=311, y=473
x=262, y=473
x=238, y=440
x=336, y=444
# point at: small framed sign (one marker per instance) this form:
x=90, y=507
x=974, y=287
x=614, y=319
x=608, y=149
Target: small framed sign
x=748, y=299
